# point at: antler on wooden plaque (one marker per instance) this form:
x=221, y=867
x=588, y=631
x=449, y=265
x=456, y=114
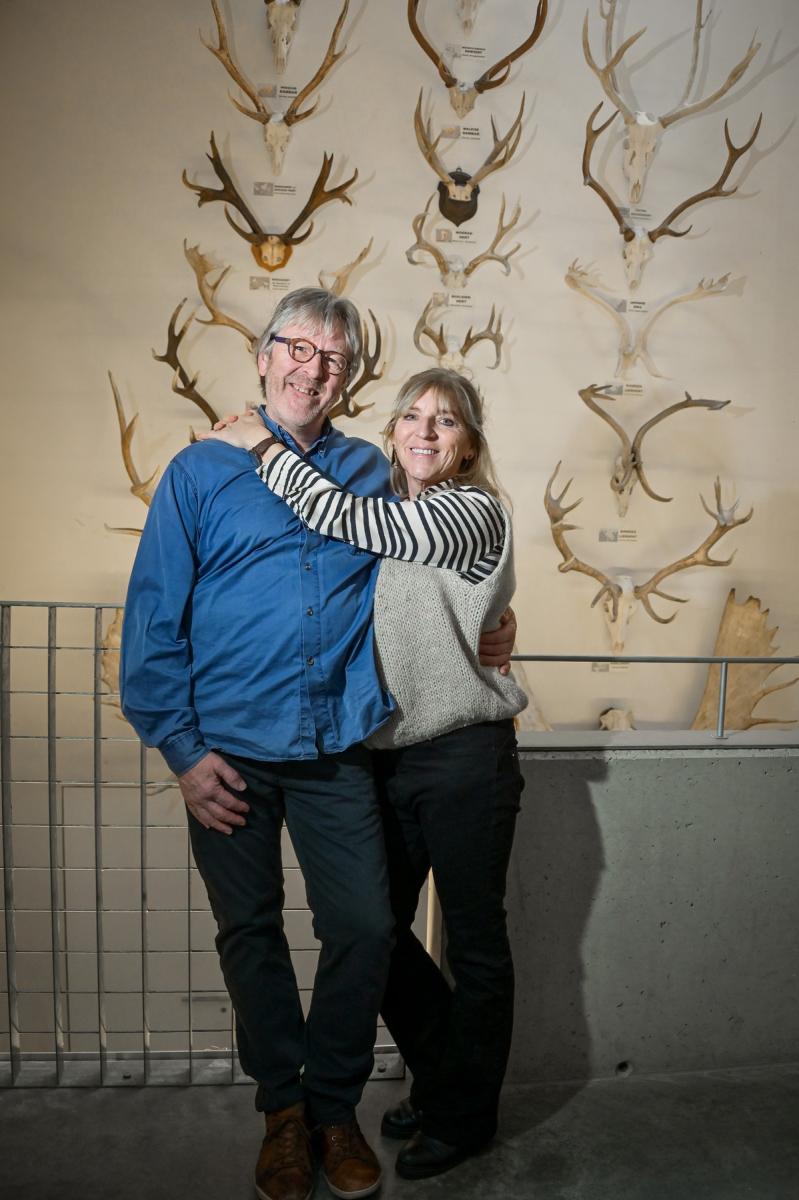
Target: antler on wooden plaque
x=276, y=125
x=743, y=631
x=619, y=594
x=452, y=270
x=270, y=250
x=634, y=347
x=628, y=467
x=463, y=94
x=458, y=191
x=446, y=350
x=643, y=130
x=638, y=241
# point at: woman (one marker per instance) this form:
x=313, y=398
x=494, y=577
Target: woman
x=447, y=767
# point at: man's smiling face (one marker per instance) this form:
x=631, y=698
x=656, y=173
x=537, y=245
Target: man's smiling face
x=299, y=395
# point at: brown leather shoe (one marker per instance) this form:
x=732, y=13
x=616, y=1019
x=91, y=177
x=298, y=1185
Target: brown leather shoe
x=285, y=1170
x=349, y=1164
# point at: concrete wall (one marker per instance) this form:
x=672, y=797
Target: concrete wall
x=653, y=902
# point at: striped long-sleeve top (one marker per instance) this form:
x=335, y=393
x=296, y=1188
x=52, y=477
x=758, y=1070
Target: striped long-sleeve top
x=450, y=525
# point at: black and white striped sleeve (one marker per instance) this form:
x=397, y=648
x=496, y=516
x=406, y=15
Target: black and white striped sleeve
x=461, y=528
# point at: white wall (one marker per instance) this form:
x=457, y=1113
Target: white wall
x=106, y=102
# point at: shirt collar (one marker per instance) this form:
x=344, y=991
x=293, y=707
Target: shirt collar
x=318, y=447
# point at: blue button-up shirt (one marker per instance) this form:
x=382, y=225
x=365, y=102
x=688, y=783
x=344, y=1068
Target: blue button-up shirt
x=244, y=631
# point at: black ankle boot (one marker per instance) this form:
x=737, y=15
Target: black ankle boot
x=401, y=1121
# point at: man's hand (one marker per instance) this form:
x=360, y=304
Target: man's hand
x=496, y=646
x=205, y=788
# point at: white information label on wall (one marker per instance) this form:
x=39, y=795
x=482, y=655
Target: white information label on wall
x=640, y=215
x=628, y=535
x=265, y=187
x=281, y=283
x=619, y=666
x=470, y=133
x=277, y=283
x=607, y=534
x=462, y=236
x=473, y=51
x=259, y=284
x=460, y=300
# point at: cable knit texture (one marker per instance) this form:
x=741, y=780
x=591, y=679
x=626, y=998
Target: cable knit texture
x=428, y=622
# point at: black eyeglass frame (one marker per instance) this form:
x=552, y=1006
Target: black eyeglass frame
x=325, y=355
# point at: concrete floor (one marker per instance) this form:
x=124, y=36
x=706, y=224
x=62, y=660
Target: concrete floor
x=719, y=1135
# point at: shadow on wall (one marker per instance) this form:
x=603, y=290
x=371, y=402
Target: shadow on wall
x=554, y=877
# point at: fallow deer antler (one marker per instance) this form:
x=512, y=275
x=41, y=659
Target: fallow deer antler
x=424, y=330
x=142, y=489
x=341, y=278
x=644, y=130
x=203, y=268
x=463, y=95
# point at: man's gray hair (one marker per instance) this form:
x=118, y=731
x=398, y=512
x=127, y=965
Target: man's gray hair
x=317, y=309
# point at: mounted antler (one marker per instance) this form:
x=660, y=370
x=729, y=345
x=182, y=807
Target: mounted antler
x=463, y=95
x=587, y=283
x=458, y=191
x=453, y=271
x=644, y=130
x=182, y=383
x=629, y=465
x=142, y=489
x=446, y=350
x=203, y=267
x=638, y=241
x=276, y=125
x=346, y=406
x=341, y=278
x=281, y=17
x=619, y=593
x=270, y=250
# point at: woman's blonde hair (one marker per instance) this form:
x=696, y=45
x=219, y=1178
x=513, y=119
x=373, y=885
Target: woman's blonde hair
x=459, y=396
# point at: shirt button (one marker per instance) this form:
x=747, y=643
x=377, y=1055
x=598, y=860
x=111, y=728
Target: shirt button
x=309, y=612
x=310, y=662
x=307, y=566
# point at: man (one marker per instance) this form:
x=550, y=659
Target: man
x=247, y=660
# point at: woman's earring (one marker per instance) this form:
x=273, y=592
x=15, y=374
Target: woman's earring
x=393, y=456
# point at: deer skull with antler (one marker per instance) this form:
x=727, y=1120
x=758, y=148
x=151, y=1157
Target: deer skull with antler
x=463, y=94
x=281, y=17
x=453, y=271
x=628, y=469
x=446, y=349
x=467, y=11
x=458, y=191
x=276, y=125
x=643, y=130
x=620, y=596
x=639, y=242
x=270, y=250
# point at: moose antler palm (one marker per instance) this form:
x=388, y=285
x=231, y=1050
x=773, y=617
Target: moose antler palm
x=638, y=241
x=643, y=130
x=463, y=95
x=458, y=191
x=270, y=250
x=276, y=125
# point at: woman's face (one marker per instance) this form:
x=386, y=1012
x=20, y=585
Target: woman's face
x=431, y=442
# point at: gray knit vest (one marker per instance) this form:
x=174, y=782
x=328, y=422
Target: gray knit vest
x=427, y=625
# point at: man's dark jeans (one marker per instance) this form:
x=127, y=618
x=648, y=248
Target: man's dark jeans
x=451, y=803
x=333, y=818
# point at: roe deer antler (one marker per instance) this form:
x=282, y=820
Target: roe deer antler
x=638, y=241
x=643, y=130
x=463, y=94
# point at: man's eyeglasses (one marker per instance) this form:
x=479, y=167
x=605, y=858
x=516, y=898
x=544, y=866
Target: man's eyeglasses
x=302, y=351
